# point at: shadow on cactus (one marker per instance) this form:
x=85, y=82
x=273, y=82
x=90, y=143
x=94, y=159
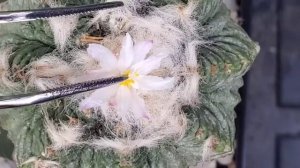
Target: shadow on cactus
x=184, y=62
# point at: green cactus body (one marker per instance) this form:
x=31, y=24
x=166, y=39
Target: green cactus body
x=223, y=61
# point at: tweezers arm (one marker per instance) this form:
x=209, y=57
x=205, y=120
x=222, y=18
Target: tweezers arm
x=29, y=15
x=54, y=12
x=30, y=99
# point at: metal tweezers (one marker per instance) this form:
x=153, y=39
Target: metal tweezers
x=48, y=95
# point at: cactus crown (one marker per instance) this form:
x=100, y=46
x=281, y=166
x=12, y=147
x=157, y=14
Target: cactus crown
x=205, y=55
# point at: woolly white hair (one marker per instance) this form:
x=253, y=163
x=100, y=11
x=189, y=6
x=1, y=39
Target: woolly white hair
x=5, y=79
x=124, y=146
x=170, y=27
x=208, y=151
x=63, y=136
x=226, y=160
x=3, y=6
x=209, y=148
x=62, y=27
x=49, y=72
x=232, y=5
x=212, y=164
x=40, y=163
x=173, y=30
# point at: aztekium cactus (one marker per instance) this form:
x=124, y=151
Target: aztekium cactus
x=184, y=61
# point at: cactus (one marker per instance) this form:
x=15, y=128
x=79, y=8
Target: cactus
x=223, y=61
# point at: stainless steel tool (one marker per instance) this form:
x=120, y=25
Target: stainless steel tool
x=29, y=15
x=41, y=97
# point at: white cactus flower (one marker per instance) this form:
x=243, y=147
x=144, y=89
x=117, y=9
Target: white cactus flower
x=134, y=63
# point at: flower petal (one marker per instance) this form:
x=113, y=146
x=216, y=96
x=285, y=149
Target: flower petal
x=148, y=65
x=105, y=110
x=138, y=106
x=141, y=50
x=123, y=100
x=102, y=54
x=153, y=83
x=98, y=97
x=94, y=75
x=126, y=53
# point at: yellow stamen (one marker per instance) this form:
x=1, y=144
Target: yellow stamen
x=135, y=74
x=129, y=82
x=127, y=73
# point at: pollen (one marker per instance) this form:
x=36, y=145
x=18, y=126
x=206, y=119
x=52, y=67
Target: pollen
x=127, y=73
x=129, y=82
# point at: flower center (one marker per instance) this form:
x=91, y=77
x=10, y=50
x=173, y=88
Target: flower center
x=129, y=82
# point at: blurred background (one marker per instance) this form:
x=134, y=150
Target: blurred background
x=268, y=122
x=268, y=118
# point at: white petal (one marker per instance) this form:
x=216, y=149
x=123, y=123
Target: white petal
x=102, y=73
x=94, y=75
x=102, y=54
x=138, y=107
x=123, y=100
x=126, y=53
x=153, y=83
x=148, y=65
x=105, y=109
x=98, y=97
x=141, y=50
